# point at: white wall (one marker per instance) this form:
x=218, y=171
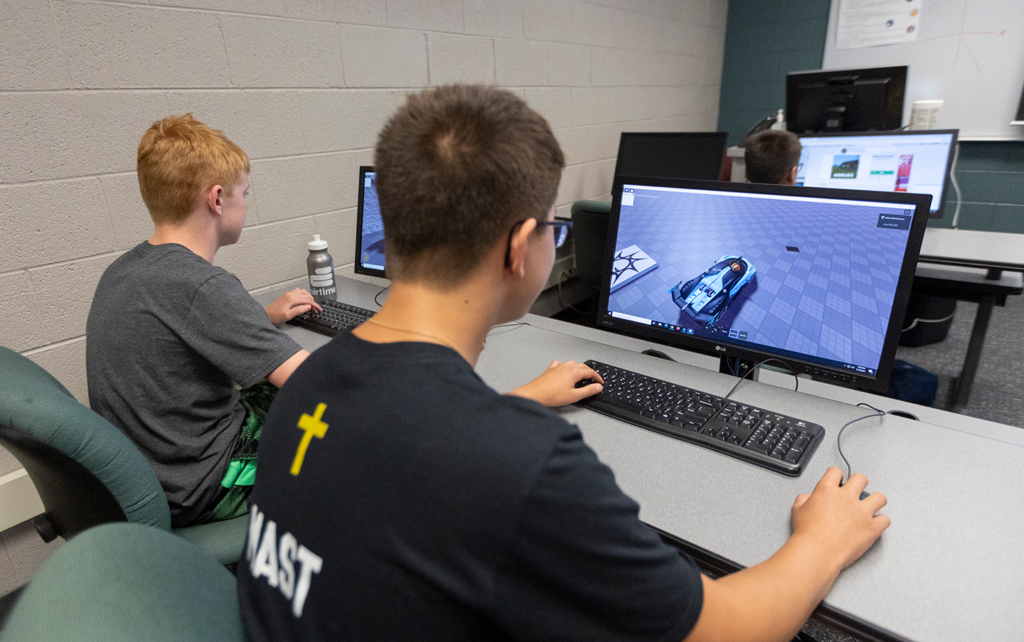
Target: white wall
x=303, y=86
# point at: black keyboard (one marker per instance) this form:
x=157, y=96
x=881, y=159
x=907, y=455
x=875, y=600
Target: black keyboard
x=761, y=437
x=334, y=318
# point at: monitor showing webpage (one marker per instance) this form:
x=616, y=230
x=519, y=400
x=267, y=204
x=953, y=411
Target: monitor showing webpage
x=811, y=279
x=916, y=162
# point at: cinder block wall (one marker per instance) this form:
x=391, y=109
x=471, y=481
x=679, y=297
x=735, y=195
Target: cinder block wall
x=303, y=86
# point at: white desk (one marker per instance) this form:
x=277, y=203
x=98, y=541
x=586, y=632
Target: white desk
x=951, y=567
x=969, y=248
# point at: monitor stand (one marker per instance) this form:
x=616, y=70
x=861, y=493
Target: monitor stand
x=743, y=366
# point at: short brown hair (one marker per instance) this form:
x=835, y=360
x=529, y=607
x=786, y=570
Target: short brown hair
x=457, y=166
x=179, y=157
x=771, y=155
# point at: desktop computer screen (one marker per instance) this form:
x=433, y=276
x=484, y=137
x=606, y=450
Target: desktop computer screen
x=845, y=100
x=913, y=161
x=816, y=278
x=693, y=155
x=369, y=227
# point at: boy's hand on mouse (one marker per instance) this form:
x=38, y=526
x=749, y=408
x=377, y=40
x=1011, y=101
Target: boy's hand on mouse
x=290, y=305
x=557, y=385
x=834, y=518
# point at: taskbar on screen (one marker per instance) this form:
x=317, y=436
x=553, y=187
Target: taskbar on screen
x=739, y=338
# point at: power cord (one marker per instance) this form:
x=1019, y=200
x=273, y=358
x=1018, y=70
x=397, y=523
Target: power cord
x=746, y=374
x=380, y=293
x=839, y=437
x=956, y=185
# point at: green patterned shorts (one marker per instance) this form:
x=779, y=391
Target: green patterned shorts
x=241, y=473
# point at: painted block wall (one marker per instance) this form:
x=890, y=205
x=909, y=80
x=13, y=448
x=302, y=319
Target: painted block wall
x=991, y=179
x=303, y=86
x=764, y=41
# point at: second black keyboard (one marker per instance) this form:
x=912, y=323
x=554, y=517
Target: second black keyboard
x=761, y=437
x=334, y=318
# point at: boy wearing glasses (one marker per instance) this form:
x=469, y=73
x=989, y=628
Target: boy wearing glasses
x=398, y=497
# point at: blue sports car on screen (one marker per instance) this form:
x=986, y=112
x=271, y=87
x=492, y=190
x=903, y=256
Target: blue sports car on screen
x=707, y=297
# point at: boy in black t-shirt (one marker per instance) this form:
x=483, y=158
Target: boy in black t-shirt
x=398, y=497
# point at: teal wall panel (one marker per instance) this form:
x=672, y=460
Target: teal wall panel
x=991, y=179
x=765, y=40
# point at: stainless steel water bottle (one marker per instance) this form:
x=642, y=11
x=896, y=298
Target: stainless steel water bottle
x=320, y=267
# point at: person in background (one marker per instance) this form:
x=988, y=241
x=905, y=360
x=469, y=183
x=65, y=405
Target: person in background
x=169, y=335
x=772, y=157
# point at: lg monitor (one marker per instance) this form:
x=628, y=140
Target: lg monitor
x=692, y=155
x=850, y=100
x=369, y=227
x=817, y=279
x=912, y=161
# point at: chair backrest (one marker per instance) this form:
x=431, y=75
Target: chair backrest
x=36, y=404
x=75, y=500
x=127, y=582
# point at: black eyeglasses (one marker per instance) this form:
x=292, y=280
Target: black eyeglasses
x=561, y=234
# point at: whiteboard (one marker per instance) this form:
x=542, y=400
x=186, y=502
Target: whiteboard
x=969, y=53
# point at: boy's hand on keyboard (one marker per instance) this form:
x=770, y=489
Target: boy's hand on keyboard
x=290, y=305
x=557, y=385
x=835, y=518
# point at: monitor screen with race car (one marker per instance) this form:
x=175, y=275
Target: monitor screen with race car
x=910, y=161
x=369, y=227
x=816, y=278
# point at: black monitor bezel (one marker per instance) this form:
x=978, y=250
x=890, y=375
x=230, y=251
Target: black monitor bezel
x=702, y=345
x=357, y=267
x=898, y=73
x=625, y=135
x=938, y=213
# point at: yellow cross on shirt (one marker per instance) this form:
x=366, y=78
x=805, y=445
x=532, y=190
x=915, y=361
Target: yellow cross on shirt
x=313, y=427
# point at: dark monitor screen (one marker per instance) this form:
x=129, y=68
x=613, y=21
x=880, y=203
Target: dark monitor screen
x=692, y=155
x=816, y=278
x=911, y=161
x=848, y=100
x=369, y=227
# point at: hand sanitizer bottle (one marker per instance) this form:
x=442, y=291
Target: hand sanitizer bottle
x=320, y=266
x=780, y=121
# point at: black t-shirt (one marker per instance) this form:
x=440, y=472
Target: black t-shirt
x=432, y=508
x=167, y=339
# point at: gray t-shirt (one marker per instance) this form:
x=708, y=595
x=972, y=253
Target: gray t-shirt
x=168, y=337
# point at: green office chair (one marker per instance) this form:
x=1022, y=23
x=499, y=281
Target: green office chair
x=85, y=470
x=127, y=582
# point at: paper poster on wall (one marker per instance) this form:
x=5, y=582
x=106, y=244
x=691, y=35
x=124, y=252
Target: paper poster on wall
x=871, y=23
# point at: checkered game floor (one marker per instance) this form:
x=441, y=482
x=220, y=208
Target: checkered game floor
x=825, y=273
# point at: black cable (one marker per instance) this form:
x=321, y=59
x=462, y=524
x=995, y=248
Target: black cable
x=380, y=293
x=758, y=365
x=839, y=437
